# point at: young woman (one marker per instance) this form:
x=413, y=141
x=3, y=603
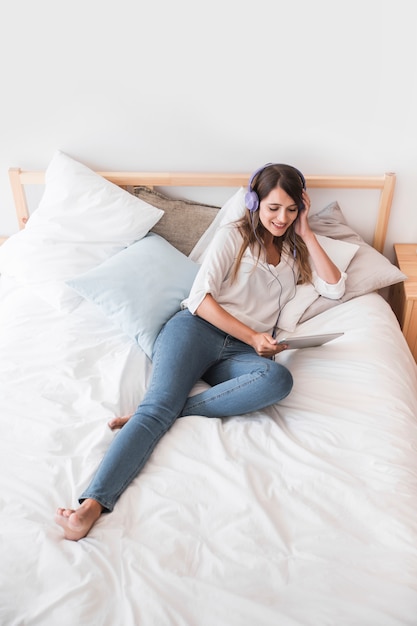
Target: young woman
x=225, y=333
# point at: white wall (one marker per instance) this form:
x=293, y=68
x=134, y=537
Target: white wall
x=328, y=86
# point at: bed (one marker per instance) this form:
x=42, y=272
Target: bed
x=303, y=514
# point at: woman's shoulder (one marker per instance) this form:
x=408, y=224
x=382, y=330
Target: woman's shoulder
x=225, y=244
x=228, y=233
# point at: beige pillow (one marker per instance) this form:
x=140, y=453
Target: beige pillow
x=183, y=222
x=368, y=271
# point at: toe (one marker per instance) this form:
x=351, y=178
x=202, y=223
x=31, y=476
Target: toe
x=118, y=422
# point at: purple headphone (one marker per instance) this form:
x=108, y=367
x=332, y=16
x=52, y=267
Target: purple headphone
x=251, y=197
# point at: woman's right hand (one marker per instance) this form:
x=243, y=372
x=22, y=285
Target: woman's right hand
x=265, y=345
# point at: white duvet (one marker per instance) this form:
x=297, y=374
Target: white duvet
x=302, y=515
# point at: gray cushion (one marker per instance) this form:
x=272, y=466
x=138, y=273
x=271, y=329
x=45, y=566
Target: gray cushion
x=183, y=222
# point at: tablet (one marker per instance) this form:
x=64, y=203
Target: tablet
x=309, y=341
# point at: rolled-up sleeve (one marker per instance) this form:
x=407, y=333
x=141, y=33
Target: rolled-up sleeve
x=328, y=290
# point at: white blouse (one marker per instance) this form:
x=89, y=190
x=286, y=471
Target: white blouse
x=259, y=291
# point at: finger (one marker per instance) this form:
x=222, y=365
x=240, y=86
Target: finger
x=306, y=199
x=280, y=347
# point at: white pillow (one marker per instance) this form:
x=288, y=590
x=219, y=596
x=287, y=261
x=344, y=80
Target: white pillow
x=82, y=219
x=341, y=253
x=232, y=210
x=140, y=288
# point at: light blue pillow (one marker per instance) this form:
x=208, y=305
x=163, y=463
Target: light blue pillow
x=140, y=288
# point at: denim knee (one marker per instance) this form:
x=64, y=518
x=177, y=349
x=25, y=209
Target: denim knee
x=282, y=380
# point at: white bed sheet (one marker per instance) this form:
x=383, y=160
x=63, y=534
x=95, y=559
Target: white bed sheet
x=304, y=514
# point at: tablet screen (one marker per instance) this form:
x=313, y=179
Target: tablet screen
x=309, y=341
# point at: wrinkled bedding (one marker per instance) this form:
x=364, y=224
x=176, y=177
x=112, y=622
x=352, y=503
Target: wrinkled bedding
x=301, y=515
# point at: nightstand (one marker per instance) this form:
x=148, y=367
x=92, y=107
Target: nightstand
x=403, y=296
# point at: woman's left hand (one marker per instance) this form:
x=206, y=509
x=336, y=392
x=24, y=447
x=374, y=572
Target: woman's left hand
x=302, y=227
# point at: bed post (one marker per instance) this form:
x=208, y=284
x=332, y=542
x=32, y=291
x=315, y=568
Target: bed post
x=385, y=202
x=19, y=196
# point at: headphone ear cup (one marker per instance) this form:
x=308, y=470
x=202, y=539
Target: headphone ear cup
x=251, y=200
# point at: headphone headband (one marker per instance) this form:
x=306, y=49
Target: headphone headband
x=251, y=197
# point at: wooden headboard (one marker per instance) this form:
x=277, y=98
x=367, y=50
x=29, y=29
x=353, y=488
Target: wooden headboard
x=386, y=183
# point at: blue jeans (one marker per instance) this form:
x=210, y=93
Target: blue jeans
x=187, y=349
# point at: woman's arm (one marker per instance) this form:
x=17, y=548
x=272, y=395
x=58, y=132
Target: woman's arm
x=263, y=343
x=324, y=266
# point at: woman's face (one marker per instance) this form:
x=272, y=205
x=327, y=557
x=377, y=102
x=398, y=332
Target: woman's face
x=277, y=211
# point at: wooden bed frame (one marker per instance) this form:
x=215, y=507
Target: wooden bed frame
x=386, y=183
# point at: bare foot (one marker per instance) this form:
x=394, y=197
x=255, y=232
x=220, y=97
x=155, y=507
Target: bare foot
x=118, y=422
x=77, y=524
